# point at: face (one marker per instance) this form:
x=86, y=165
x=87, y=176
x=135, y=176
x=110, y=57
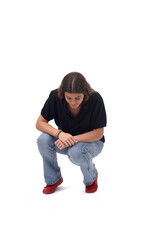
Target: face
x=74, y=99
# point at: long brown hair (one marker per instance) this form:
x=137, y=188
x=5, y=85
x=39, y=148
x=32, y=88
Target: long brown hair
x=75, y=82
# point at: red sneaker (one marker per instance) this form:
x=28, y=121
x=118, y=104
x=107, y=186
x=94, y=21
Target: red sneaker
x=48, y=189
x=93, y=187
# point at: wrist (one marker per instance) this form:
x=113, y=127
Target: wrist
x=59, y=132
x=76, y=139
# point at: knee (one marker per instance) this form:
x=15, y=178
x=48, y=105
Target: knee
x=43, y=140
x=75, y=155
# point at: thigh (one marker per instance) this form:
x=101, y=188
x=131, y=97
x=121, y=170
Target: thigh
x=94, y=148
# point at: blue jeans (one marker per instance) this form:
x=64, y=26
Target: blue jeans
x=80, y=154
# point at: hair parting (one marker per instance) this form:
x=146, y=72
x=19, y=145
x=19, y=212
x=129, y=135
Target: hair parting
x=75, y=82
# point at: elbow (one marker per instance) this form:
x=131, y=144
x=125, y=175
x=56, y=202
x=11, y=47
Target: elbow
x=40, y=123
x=100, y=132
x=37, y=125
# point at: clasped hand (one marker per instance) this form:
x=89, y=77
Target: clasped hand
x=65, y=140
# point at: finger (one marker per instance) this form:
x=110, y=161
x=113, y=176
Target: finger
x=72, y=141
x=69, y=143
x=60, y=146
x=57, y=143
x=58, y=140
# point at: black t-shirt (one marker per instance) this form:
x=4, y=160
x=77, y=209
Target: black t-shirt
x=92, y=114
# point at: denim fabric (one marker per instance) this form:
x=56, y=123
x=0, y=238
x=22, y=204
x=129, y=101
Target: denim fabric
x=81, y=154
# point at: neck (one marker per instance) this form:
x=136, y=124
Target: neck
x=74, y=111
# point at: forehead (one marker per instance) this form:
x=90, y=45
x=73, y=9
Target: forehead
x=73, y=95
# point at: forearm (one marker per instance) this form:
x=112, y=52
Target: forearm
x=47, y=128
x=91, y=136
x=65, y=139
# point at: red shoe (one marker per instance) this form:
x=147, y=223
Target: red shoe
x=93, y=187
x=48, y=189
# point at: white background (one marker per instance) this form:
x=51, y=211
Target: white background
x=116, y=46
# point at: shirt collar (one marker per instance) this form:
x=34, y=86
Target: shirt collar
x=83, y=106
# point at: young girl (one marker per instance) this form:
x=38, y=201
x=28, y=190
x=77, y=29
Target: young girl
x=80, y=116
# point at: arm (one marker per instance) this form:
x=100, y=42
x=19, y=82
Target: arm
x=43, y=126
x=91, y=136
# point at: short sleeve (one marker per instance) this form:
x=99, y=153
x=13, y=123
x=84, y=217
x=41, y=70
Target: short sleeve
x=48, y=111
x=99, y=117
